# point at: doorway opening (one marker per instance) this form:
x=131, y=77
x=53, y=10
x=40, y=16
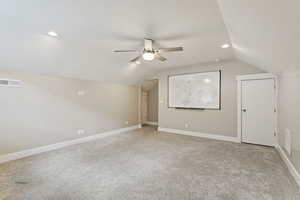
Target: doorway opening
x=149, y=103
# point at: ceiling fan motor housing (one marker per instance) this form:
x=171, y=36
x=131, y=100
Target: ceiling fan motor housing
x=149, y=53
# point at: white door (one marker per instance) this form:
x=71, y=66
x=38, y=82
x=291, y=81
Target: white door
x=258, y=107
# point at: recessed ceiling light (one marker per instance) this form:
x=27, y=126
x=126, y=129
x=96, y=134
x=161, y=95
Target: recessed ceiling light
x=225, y=46
x=52, y=34
x=148, y=56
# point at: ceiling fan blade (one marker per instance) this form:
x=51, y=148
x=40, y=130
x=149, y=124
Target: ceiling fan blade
x=135, y=59
x=170, y=49
x=159, y=57
x=148, y=44
x=124, y=51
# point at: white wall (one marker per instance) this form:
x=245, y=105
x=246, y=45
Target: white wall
x=289, y=112
x=219, y=122
x=48, y=110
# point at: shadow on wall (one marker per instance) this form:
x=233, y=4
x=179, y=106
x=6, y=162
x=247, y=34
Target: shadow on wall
x=289, y=112
x=48, y=110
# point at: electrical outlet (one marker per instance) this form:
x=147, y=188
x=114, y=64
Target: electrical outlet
x=80, y=131
x=127, y=122
x=186, y=125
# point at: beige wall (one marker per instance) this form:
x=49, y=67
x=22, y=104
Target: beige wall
x=153, y=103
x=48, y=110
x=220, y=122
x=289, y=112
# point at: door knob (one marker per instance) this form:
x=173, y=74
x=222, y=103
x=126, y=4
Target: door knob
x=244, y=110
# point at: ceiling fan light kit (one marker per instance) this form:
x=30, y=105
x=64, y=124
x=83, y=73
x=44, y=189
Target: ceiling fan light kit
x=149, y=53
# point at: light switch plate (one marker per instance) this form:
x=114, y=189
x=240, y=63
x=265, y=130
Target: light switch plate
x=80, y=131
x=80, y=93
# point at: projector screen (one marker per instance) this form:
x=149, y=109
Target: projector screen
x=195, y=91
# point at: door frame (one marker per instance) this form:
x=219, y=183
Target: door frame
x=144, y=94
x=239, y=101
x=140, y=91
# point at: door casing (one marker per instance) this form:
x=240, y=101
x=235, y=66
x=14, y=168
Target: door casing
x=239, y=101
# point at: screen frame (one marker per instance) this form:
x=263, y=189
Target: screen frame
x=191, y=108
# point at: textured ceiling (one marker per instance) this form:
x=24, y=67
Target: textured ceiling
x=90, y=31
x=265, y=33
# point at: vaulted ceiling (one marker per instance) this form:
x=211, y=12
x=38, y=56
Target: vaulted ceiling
x=264, y=33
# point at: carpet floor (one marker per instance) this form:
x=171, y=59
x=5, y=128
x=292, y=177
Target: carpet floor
x=146, y=165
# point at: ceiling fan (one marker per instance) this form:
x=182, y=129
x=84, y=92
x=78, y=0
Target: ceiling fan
x=149, y=53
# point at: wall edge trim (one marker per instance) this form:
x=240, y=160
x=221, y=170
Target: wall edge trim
x=151, y=123
x=199, y=134
x=289, y=164
x=29, y=152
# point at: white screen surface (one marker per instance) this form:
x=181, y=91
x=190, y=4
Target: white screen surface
x=197, y=90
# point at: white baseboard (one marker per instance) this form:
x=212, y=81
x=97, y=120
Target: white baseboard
x=30, y=152
x=151, y=123
x=289, y=164
x=197, y=134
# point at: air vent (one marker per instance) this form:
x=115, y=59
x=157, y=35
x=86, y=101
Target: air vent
x=288, y=141
x=10, y=83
